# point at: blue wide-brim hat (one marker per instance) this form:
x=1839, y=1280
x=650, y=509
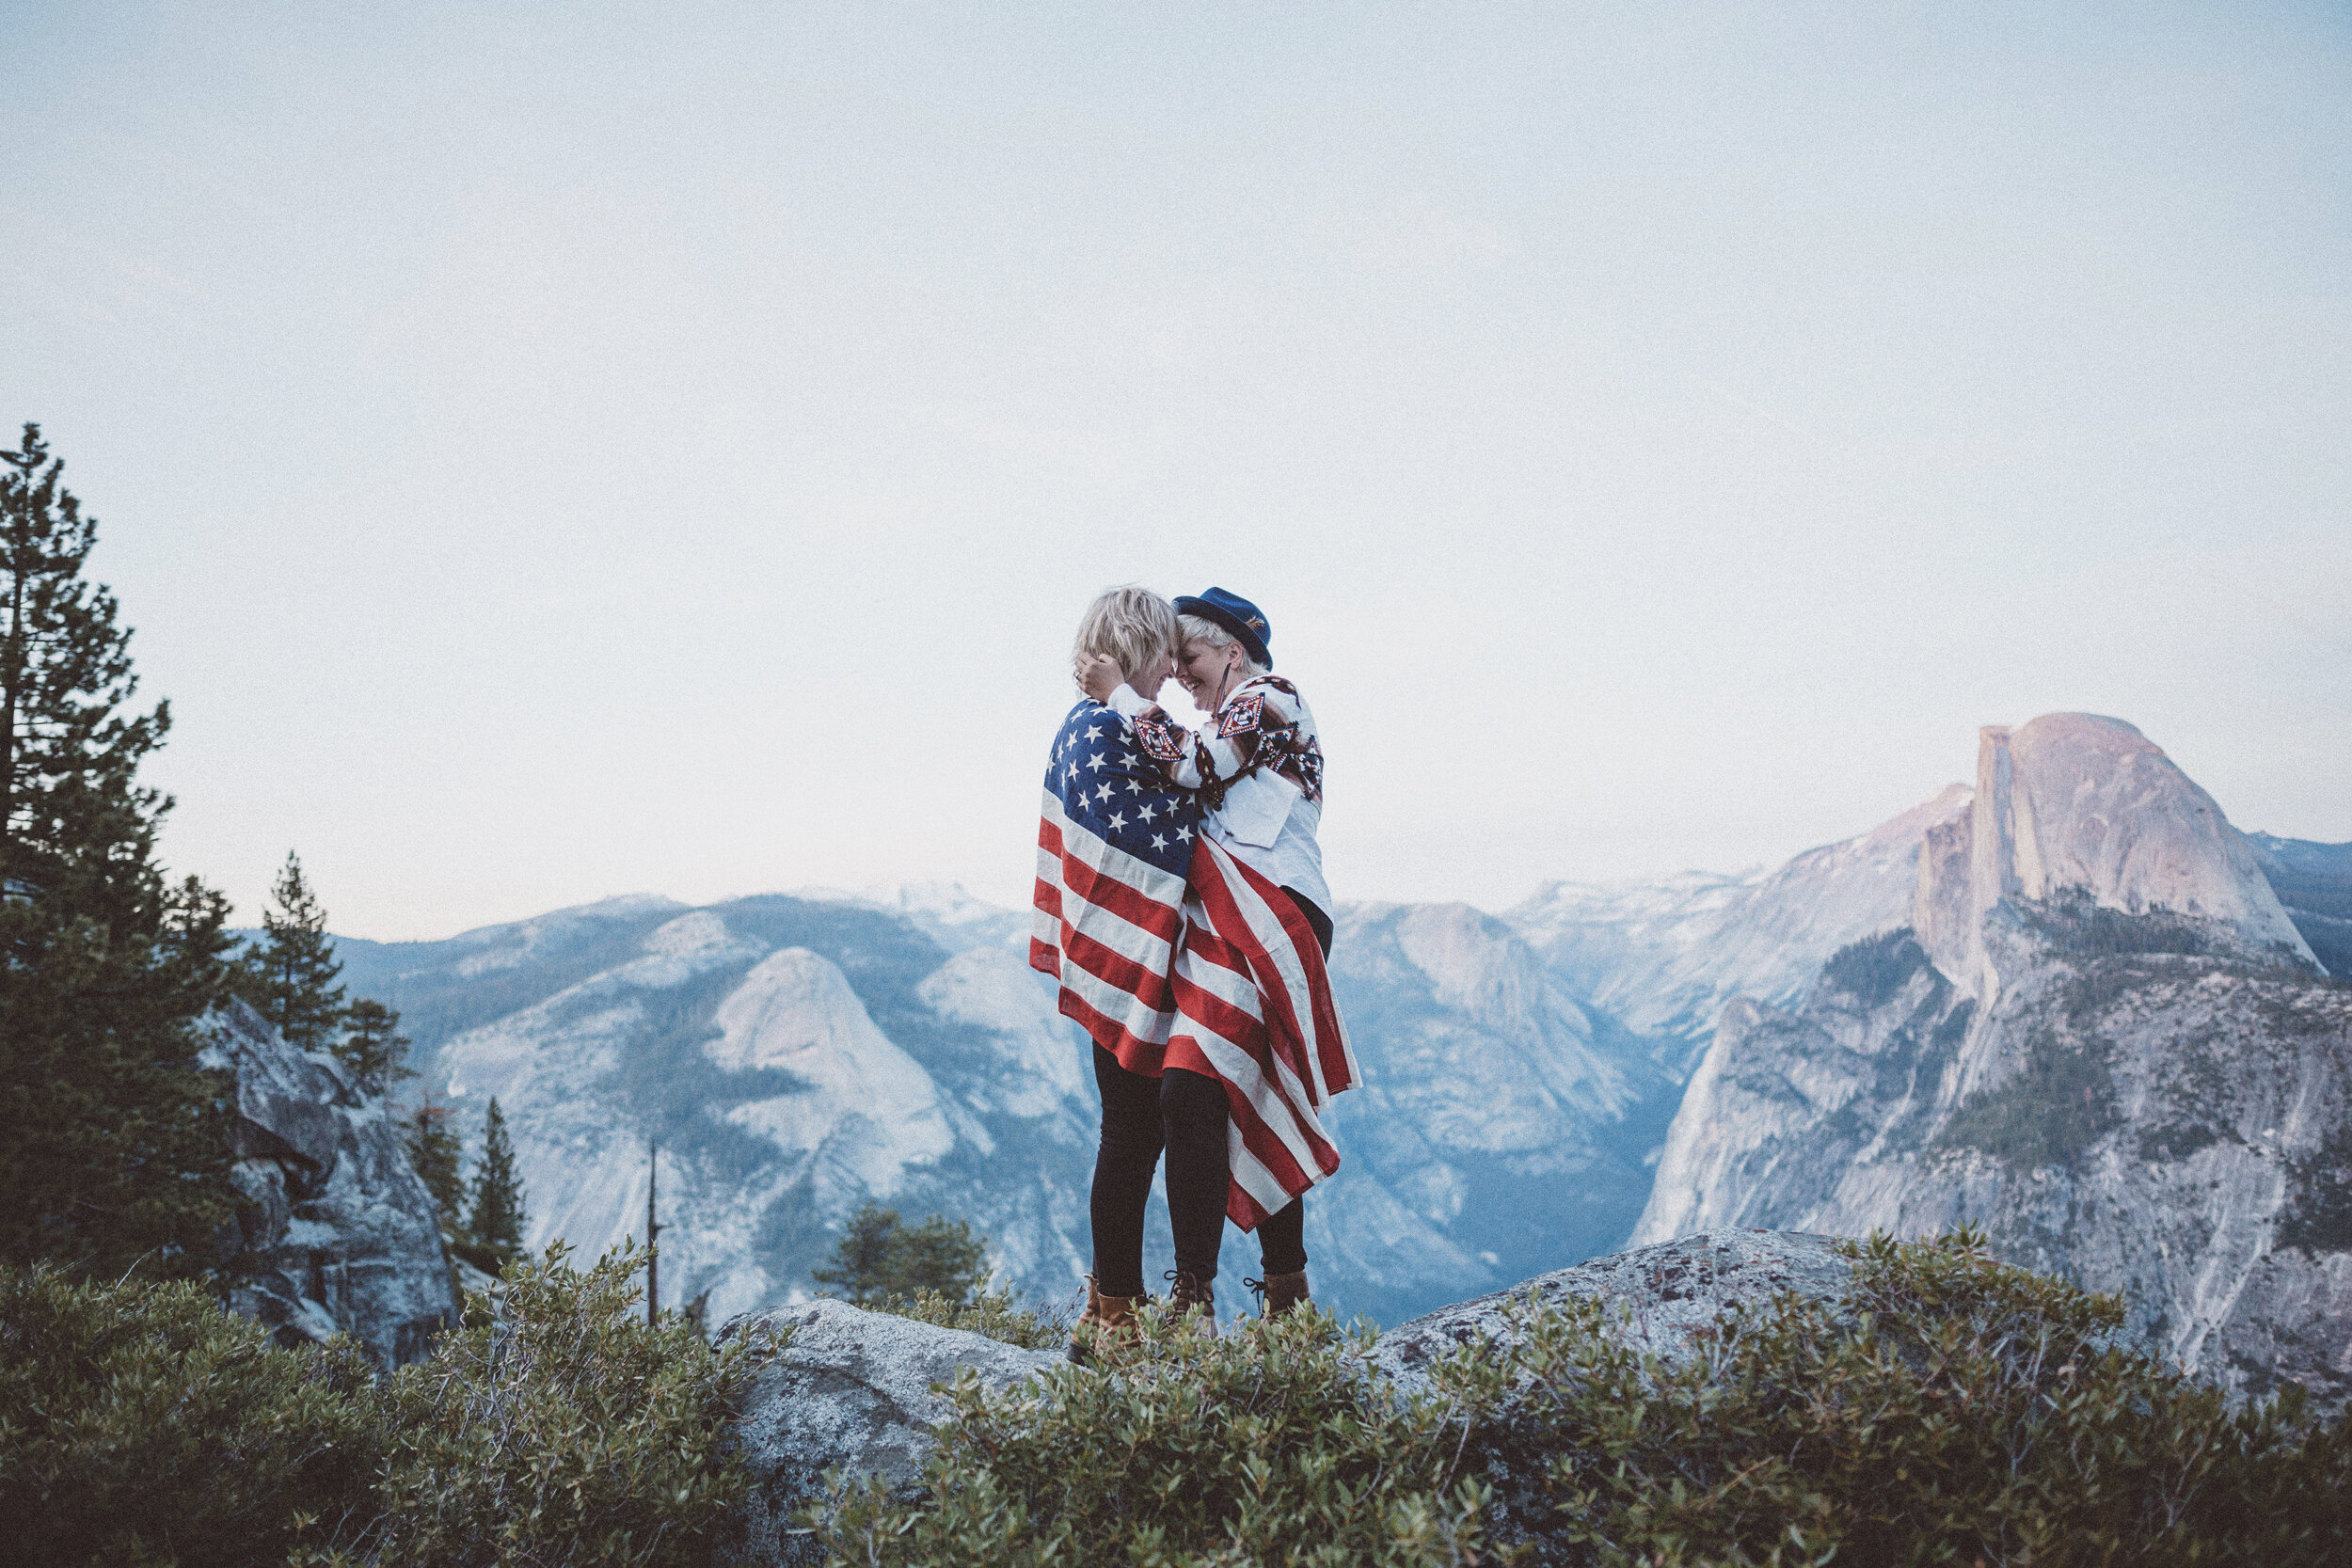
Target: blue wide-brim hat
x=1237, y=615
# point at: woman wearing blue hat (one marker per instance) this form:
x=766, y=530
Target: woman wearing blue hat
x=1257, y=767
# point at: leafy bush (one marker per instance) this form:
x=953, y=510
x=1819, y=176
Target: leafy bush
x=1949, y=1409
x=995, y=1313
x=1274, y=1444
x=141, y=1424
x=560, y=1429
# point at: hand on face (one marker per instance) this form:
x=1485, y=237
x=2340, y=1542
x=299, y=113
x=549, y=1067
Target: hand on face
x=1098, y=675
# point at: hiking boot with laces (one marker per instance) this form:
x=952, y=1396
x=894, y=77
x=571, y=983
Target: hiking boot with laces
x=1279, y=1292
x=1107, y=1322
x=1188, y=1292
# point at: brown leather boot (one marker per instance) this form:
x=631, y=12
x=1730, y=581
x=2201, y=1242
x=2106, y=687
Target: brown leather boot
x=1282, y=1291
x=1107, y=1321
x=1189, y=1293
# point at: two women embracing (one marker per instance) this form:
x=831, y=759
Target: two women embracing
x=1181, y=906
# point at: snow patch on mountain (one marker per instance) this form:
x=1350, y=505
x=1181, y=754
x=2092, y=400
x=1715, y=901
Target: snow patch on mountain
x=943, y=911
x=524, y=941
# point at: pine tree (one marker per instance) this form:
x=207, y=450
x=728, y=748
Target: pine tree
x=878, y=1257
x=940, y=1255
x=494, y=1229
x=861, y=1258
x=373, y=1047
x=114, y=1146
x=290, y=974
x=437, y=1154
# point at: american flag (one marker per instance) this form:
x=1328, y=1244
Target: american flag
x=1171, y=952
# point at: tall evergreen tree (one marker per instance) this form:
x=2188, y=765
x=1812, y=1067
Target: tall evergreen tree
x=290, y=975
x=494, y=1228
x=372, y=1046
x=437, y=1154
x=114, y=1147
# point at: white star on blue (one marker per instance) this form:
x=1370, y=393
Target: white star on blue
x=1152, y=823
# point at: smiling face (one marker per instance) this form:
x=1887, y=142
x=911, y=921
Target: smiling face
x=1207, y=670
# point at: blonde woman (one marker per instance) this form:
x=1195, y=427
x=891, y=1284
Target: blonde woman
x=1114, y=843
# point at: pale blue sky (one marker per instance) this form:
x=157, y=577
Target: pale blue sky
x=551, y=451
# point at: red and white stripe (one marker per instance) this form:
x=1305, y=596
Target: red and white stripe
x=1106, y=928
x=1217, y=973
x=1255, y=1012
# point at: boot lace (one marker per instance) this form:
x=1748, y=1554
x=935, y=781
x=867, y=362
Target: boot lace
x=1187, y=1287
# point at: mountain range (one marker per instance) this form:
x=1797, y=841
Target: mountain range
x=793, y=1055
x=2101, y=1032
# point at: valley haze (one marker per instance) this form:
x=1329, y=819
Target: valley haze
x=1541, y=1083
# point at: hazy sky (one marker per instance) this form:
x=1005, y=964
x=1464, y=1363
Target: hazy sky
x=551, y=451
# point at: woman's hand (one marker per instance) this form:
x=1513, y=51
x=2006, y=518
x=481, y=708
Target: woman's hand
x=1098, y=675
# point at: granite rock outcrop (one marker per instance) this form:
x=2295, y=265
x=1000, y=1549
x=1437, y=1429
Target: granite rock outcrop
x=847, y=1390
x=338, y=1234
x=1659, y=1297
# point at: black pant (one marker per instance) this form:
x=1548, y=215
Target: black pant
x=1186, y=1114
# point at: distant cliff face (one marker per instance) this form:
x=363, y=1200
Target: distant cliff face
x=2078, y=812
x=795, y=1055
x=790, y=1058
x=340, y=1235
x=2103, y=1037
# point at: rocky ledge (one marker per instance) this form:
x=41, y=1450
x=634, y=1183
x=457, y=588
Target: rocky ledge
x=849, y=1390
x=1660, y=1294
x=853, y=1390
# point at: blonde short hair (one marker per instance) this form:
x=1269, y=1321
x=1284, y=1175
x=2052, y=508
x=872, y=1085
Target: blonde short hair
x=1131, y=624
x=1200, y=629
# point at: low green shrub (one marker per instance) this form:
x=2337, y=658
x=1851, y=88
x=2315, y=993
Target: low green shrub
x=1273, y=1444
x=995, y=1313
x=1949, y=1409
x=140, y=1424
x=559, y=1428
